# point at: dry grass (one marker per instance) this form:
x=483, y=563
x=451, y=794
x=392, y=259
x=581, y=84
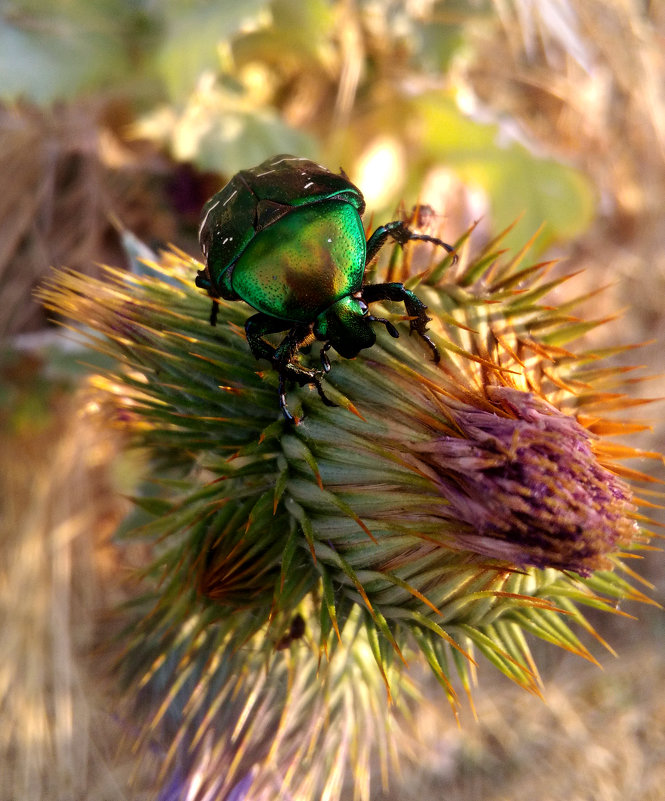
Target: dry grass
x=63, y=173
x=51, y=203
x=598, y=736
x=58, y=581
x=593, y=94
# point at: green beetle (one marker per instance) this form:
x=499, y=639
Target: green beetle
x=287, y=238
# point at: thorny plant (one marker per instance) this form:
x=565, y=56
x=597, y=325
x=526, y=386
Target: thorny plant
x=442, y=512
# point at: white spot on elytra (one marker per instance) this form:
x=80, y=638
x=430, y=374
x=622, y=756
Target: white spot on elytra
x=205, y=219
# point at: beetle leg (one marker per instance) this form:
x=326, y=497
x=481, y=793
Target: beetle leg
x=282, y=357
x=214, y=310
x=301, y=376
x=255, y=328
x=283, y=362
x=291, y=372
x=290, y=346
x=402, y=234
x=414, y=306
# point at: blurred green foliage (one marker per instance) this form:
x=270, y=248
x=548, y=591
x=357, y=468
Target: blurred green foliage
x=225, y=85
x=55, y=50
x=519, y=185
x=190, y=35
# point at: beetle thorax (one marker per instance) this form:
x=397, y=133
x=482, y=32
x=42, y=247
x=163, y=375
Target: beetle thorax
x=346, y=325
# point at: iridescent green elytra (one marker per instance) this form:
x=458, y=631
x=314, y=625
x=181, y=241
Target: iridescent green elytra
x=287, y=238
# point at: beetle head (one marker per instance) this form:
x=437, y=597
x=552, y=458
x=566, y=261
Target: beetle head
x=346, y=325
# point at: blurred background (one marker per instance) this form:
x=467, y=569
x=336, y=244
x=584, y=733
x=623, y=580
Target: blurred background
x=120, y=118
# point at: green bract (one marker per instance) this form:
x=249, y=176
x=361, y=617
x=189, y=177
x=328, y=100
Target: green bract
x=287, y=238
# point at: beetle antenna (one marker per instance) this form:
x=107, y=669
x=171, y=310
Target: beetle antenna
x=389, y=326
x=325, y=361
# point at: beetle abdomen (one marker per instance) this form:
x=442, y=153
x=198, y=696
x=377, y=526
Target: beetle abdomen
x=304, y=262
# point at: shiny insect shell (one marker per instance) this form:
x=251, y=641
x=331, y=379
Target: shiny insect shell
x=287, y=238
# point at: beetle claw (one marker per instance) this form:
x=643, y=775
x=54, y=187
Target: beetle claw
x=303, y=377
x=420, y=327
x=435, y=351
x=322, y=394
x=282, y=400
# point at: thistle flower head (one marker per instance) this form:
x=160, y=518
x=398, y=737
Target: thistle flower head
x=523, y=484
x=441, y=510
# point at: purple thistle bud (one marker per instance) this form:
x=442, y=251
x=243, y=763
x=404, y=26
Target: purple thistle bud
x=527, y=486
